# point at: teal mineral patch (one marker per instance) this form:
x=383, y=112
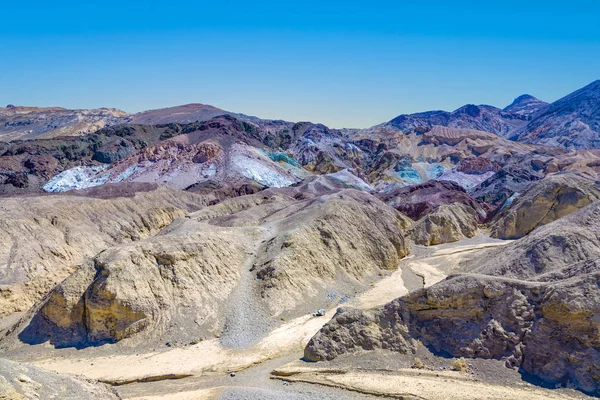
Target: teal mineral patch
x=280, y=156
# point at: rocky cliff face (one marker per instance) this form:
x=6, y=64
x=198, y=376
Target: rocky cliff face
x=176, y=280
x=537, y=315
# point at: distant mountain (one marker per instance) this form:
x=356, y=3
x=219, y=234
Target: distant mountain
x=184, y=114
x=525, y=106
x=572, y=122
x=17, y=122
x=479, y=117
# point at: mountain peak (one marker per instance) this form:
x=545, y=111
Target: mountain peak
x=592, y=87
x=596, y=83
x=571, y=122
x=524, y=97
x=524, y=106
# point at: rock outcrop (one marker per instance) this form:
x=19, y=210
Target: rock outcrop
x=279, y=250
x=541, y=203
x=538, y=315
x=571, y=240
x=546, y=329
x=419, y=200
x=45, y=238
x=172, y=284
x=443, y=211
x=497, y=189
x=448, y=223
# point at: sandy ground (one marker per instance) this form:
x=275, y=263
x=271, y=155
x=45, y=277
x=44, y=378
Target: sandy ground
x=205, y=367
x=200, y=394
x=418, y=384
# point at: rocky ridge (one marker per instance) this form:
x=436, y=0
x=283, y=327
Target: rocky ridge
x=302, y=244
x=571, y=122
x=510, y=311
x=46, y=238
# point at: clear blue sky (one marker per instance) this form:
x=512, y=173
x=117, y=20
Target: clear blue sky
x=343, y=63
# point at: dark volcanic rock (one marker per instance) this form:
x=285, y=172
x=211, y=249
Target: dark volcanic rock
x=443, y=210
x=502, y=185
x=419, y=200
x=477, y=165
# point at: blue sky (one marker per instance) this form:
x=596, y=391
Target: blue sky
x=346, y=64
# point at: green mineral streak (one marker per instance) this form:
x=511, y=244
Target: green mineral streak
x=280, y=156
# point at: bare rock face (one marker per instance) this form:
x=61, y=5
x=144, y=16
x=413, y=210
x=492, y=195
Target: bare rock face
x=477, y=165
x=567, y=242
x=352, y=235
x=546, y=329
x=417, y=201
x=539, y=315
x=543, y=202
x=497, y=189
x=19, y=381
x=447, y=224
x=180, y=279
x=321, y=237
x=352, y=330
x=443, y=211
x=45, y=238
x=279, y=250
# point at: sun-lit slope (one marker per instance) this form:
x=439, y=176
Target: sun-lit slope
x=33, y=122
x=43, y=239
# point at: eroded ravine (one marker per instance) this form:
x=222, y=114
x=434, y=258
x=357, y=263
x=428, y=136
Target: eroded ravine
x=247, y=319
x=211, y=358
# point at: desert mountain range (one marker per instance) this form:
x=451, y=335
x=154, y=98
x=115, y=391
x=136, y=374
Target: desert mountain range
x=195, y=253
